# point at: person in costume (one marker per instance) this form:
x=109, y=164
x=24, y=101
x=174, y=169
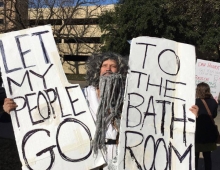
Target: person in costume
x=106, y=74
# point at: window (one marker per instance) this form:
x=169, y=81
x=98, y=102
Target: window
x=75, y=57
x=1, y=21
x=84, y=21
x=45, y=21
x=57, y=40
x=1, y=4
x=83, y=40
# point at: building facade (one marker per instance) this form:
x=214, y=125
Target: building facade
x=75, y=28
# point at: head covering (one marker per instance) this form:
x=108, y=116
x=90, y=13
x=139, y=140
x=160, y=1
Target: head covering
x=111, y=94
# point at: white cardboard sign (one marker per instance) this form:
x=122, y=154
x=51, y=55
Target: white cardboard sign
x=157, y=128
x=209, y=72
x=52, y=123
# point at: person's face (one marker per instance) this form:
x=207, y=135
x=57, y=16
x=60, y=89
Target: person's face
x=108, y=67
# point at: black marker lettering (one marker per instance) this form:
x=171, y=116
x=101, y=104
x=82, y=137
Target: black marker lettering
x=145, y=55
x=73, y=101
x=72, y=120
x=156, y=85
x=18, y=109
x=181, y=158
x=46, y=56
x=42, y=76
x=173, y=119
x=51, y=101
x=10, y=81
x=61, y=109
x=5, y=61
x=171, y=89
x=128, y=147
x=148, y=113
x=50, y=149
x=135, y=107
x=52, y=155
x=156, y=145
x=139, y=77
x=17, y=38
x=38, y=105
x=164, y=102
x=177, y=62
x=31, y=109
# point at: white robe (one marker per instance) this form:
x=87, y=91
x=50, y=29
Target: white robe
x=111, y=133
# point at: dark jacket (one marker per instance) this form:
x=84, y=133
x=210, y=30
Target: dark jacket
x=205, y=129
x=4, y=117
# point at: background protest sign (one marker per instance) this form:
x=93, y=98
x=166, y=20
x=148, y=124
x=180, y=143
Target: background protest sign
x=157, y=128
x=52, y=124
x=209, y=72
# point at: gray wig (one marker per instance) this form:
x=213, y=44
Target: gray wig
x=95, y=61
x=111, y=94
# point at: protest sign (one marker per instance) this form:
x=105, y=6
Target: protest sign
x=209, y=72
x=52, y=123
x=157, y=128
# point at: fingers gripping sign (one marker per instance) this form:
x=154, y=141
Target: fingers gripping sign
x=9, y=105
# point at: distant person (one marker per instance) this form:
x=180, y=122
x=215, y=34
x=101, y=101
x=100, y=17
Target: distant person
x=205, y=137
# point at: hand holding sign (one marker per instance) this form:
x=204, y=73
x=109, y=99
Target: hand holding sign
x=157, y=129
x=9, y=105
x=51, y=120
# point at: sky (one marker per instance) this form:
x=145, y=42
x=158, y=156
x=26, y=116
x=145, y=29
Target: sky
x=109, y=2
x=36, y=2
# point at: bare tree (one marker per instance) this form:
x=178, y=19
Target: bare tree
x=74, y=23
x=14, y=13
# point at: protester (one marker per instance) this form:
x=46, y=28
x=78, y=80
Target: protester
x=107, y=64
x=205, y=136
x=104, y=83
x=4, y=117
x=2, y=96
x=102, y=67
x=106, y=74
